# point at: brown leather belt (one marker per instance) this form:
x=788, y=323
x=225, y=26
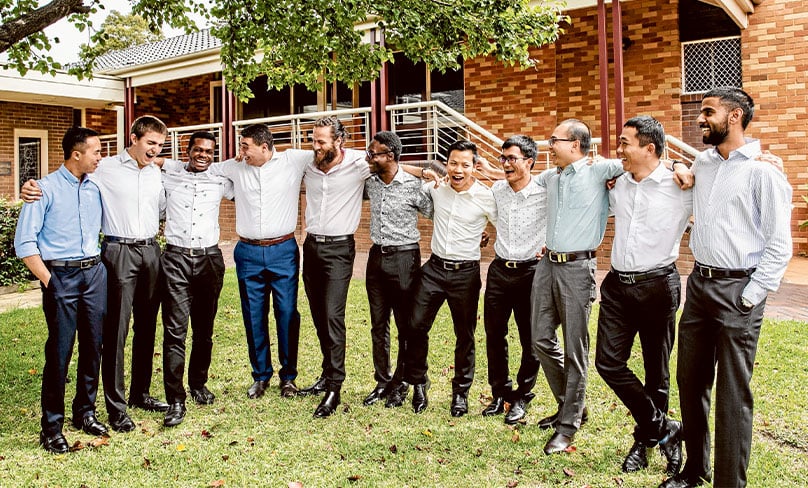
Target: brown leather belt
x=267, y=242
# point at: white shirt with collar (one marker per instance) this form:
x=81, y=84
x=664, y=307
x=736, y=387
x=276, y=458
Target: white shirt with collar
x=131, y=196
x=521, y=220
x=267, y=196
x=192, y=207
x=649, y=219
x=334, y=199
x=459, y=220
x=742, y=217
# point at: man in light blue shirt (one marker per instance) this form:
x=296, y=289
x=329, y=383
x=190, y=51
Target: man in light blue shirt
x=57, y=238
x=564, y=283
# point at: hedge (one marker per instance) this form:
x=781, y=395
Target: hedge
x=12, y=269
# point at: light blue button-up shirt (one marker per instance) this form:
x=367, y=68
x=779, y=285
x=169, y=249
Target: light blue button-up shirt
x=65, y=223
x=578, y=203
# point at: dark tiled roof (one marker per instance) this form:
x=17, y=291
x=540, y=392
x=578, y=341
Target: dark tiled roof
x=156, y=51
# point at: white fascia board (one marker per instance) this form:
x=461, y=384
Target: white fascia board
x=61, y=89
x=200, y=63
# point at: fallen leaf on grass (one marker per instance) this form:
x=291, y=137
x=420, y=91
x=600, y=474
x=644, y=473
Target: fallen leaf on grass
x=393, y=449
x=517, y=471
x=225, y=457
x=478, y=452
x=233, y=443
x=216, y=483
x=206, y=434
x=443, y=461
x=512, y=484
x=181, y=447
x=77, y=446
x=146, y=463
x=99, y=441
x=516, y=436
x=32, y=371
x=618, y=481
x=569, y=472
x=570, y=449
x=354, y=477
x=427, y=433
x=295, y=484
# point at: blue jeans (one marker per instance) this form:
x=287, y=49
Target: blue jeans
x=263, y=271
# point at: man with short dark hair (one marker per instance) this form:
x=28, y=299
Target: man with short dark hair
x=57, y=239
x=741, y=240
x=192, y=272
x=640, y=295
x=394, y=261
x=462, y=209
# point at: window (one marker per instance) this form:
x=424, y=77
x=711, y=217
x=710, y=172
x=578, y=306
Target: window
x=711, y=63
x=30, y=156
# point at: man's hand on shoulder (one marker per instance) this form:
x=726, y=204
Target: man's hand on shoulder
x=30, y=192
x=776, y=161
x=682, y=175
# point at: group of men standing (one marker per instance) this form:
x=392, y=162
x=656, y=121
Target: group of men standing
x=548, y=228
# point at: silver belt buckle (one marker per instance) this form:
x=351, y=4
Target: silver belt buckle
x=626, y=279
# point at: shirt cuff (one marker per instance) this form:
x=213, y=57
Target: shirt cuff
x=26, y=249
x=754, y=292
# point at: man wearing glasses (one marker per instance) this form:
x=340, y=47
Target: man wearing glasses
x=394, y=261
x=521, y=222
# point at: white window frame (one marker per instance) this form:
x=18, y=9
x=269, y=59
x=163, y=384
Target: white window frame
x=44, y=165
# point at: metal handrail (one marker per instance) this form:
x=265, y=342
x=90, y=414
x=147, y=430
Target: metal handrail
x=288, y=130
x=176, y=134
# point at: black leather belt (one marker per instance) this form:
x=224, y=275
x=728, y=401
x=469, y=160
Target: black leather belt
x=267, y=242
x=193, y=251
x=451, y=265
x=392, y=249
x=329, y=239
x=711, y=272
x=566, y=257
x=632, y=278
x=511, y=264
x=130, y=242
x=79, y=263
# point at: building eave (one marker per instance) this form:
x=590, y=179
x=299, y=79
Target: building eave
x=61, y=89
x=168, y=69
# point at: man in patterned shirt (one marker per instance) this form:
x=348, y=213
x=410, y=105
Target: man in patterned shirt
x=394, y=261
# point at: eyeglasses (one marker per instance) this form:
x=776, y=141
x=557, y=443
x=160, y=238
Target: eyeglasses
x=553, y=139
x=510, y=159
x=372, y=154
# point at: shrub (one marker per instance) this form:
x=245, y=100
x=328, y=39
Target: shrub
x=12, y=269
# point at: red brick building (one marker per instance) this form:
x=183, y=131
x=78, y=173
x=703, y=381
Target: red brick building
x=671, y=52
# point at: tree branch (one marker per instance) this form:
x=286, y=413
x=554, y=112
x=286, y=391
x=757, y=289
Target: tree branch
x=23, y=26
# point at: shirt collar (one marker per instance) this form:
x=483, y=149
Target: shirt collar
x=67, y=175
x=576, y=166
x=750, y=150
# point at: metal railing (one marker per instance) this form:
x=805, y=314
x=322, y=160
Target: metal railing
x=675, y=148
x=178, y=138
x=293, y=131
x=109, y=144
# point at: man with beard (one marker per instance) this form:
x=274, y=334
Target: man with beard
x=394, y=261
x=334, y=184
x=741, y=241
x=192, y=271
x=57, y=239
x=131, y=190
x=463, y=208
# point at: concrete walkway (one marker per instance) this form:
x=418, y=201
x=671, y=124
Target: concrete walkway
x=789, y=302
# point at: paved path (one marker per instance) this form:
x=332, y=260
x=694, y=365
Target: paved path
x=789, y=302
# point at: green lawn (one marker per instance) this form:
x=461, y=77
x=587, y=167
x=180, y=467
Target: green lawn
x=274, y=442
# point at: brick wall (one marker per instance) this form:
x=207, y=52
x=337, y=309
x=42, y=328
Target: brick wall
x=775, y=60
x=103, y=121
x=56, y=120
x=178, y=103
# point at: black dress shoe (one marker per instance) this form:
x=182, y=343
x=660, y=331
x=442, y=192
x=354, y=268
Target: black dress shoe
x=557, y=443
x=671, y=447
x=288, y=389
x=328, y=405
x=517, y=412
x=202, y=396
x=120, y=422
x=55, y=443
x=90, y=425
x=257, y=389
x=460, y=406
x=397, y=395
x=419, y=398
x=681, y=481
x=496, y=407
x=318, y=388
x=374, y=396
x=148, y=403
x=175, y=414
x=636, y=458
x=552, y=420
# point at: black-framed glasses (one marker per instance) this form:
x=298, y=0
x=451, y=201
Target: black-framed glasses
x=510, y=159
x=372, y=154
x=553, y=139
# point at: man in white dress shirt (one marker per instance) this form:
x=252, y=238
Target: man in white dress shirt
x=463, y=208
x=192, y=272
x=741, y=240
x=521, y=227
x=641, y=293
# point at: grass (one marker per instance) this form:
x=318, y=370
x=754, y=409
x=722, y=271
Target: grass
x=274, y=442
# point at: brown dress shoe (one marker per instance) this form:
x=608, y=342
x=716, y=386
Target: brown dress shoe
x=557, y=443
x=288, y=389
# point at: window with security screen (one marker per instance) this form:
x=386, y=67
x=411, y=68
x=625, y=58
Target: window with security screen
x=711, y=63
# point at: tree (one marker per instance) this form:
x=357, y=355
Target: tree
x=317, y=41
x=119, y=31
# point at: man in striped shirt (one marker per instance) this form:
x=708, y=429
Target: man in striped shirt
x=742, y=244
